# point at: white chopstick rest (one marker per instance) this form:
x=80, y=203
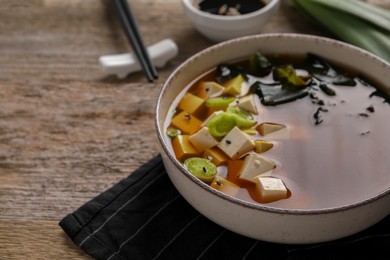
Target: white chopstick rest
x=123, y=64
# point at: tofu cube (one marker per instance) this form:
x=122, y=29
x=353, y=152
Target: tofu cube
x=225, y=186
x=271, y=189
x=192, y=104
x=203, y=140
x=216, y=156
x=248, y=103
x=245, y=88
x=254, y=166
x=236, y=143
x=233, y=86
x=261, y=146
x=183, y=148
x=186, y=123
x=268, y=128
x=208, y=89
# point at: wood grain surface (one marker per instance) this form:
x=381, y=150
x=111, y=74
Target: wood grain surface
x=67, y=131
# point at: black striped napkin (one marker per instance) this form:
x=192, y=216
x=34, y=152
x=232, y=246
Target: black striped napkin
x=144, y=217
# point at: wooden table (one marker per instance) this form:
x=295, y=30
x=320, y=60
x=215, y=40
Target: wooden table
x=67, y=131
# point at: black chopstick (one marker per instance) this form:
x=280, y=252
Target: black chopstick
x=134, y=36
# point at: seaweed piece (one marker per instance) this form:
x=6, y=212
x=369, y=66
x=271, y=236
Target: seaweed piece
x=259, y=65
x=342, y=80
x=327, y=90
x=370, y=109
x=323, y=71
x=377, y=92
x=226, y=72
x=317, y=117
x=317, y=65
x=272, y=95
x=315, y=99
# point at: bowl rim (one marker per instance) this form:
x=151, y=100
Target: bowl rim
x=269, y=6
x=240, y=202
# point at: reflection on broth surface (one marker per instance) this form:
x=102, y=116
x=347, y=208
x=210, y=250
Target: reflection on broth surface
x=331, y=150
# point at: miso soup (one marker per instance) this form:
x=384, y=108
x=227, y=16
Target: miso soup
x=292, y=132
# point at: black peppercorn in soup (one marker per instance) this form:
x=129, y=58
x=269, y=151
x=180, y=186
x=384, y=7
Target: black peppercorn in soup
x=298, y=133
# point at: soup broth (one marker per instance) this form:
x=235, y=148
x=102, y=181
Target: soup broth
x=330, y=146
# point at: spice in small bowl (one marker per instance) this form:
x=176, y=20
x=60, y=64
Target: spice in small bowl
x=221, y=20
x=230, y=7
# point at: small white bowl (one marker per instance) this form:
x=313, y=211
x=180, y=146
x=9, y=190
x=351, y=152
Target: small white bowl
x=220, y=28
x=264, y=221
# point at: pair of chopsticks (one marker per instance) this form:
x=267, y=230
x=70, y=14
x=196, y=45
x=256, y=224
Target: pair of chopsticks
x=134, y=36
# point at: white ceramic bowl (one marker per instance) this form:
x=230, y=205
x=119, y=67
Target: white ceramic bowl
x=261, y=221
x=219, y=28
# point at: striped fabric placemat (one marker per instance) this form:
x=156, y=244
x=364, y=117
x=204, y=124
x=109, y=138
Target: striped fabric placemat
x=144, y=217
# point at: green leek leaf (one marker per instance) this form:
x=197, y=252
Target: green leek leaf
x=352, y=22
x=362, y=10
